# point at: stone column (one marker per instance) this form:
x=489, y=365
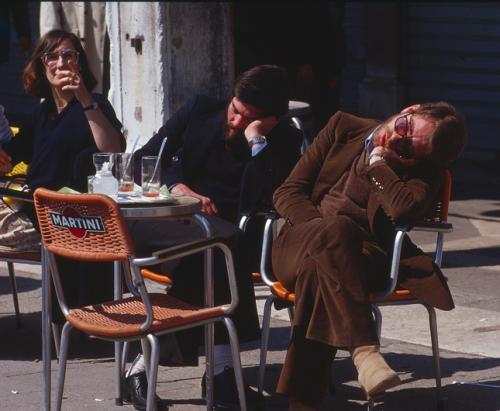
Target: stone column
x=162, y=53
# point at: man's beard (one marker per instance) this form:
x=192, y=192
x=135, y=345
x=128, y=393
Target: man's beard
x=235, y=139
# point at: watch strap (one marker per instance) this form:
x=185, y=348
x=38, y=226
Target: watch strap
x=257, y=140
x=92, y=106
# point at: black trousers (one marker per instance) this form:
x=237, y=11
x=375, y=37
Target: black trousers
x=188, y=281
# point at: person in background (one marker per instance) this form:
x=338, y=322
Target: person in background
x=231, y=154
x=341, y=203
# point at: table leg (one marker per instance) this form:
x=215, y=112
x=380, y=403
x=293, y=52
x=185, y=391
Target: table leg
x=209, y=301
x=46, y=326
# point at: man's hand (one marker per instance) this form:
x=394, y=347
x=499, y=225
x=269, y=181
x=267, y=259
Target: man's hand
x=393, y=159
x=261, y=127
x=5, y=162
x=207, y=205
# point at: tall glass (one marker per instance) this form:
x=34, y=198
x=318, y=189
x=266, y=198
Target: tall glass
x=124, y=172
x=149, y=178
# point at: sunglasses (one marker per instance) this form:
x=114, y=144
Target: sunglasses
x=402, y=127
x=70, y=56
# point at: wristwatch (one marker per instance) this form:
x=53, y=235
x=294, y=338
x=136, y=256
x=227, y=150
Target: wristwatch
x=92, y=106
x=257, y=140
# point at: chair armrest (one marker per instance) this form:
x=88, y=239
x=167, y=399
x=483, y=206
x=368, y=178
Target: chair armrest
x=435, y=227
x=267, y=242
x=178, y=251
x=247, y=215
x=17, y=194
x=158, y=278
x=401, y=231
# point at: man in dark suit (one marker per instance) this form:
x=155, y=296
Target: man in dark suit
x=231, y=155
x=341, y=201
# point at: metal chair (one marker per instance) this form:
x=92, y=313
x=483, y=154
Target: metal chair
x=12, y=191
x=90, y=227
x=436, y=222
x=14, y=186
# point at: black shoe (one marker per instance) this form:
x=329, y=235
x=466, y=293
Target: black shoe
x=226, y=393
x=137, y=391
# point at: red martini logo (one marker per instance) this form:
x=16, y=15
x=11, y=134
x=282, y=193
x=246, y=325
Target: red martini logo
x=77, y=224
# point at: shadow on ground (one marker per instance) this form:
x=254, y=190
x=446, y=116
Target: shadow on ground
x=24, y=284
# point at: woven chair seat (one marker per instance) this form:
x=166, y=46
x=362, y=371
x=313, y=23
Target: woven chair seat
x=123, y=318
x=279, y=291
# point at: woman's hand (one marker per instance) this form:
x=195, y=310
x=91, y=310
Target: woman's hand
x=71, y=80
x=207, y=205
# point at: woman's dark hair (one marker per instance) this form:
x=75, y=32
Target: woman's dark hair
x=34, y=80
x=265, y=87
x=450, y=136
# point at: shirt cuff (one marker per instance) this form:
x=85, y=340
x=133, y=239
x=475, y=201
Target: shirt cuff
x=257, y=148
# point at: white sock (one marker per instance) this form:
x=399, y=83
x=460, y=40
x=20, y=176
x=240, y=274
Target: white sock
x=137, y=366
x=222, y=358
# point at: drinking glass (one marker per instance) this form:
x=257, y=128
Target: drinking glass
x=124, y=172
x=150, y=182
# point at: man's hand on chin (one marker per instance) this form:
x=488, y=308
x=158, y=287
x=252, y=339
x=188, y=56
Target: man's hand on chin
x=261, y=127
x=390, y=157
x=395, y=161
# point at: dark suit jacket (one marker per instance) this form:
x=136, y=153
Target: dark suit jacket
x=192, y=130
x=395, y=197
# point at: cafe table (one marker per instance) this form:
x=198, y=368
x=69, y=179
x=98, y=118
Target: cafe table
x=180, y=208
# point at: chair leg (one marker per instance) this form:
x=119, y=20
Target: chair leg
x=63, y=356
x=154, y=358
x=435, y=349
x=146, y=352
x=264, y=340
x=126, y=349
x=13, y=286
x=118, y=373
x=56, y=335
x=291, y=315
x=235, y=351
x=378, y=319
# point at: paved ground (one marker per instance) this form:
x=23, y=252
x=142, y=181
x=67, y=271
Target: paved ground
x=469, y=335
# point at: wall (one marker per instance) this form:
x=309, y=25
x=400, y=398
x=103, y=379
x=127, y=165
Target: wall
x=17, y=103
x=162, y=53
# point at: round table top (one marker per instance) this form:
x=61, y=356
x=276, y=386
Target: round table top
x=184, y=206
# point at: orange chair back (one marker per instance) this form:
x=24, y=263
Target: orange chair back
x=439, y=213
x=86, y=227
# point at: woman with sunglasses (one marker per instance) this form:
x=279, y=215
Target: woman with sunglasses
x=66, y=128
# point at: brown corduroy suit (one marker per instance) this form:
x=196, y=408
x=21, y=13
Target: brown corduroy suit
x=331, y=261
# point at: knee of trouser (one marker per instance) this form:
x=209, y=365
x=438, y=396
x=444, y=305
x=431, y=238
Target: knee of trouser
x=336, y=233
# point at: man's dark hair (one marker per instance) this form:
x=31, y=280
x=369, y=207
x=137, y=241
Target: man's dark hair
x=450, y=136
x=265, y=87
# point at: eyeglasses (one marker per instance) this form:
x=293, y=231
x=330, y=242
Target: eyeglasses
x=70, y=56
x=402, y=127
